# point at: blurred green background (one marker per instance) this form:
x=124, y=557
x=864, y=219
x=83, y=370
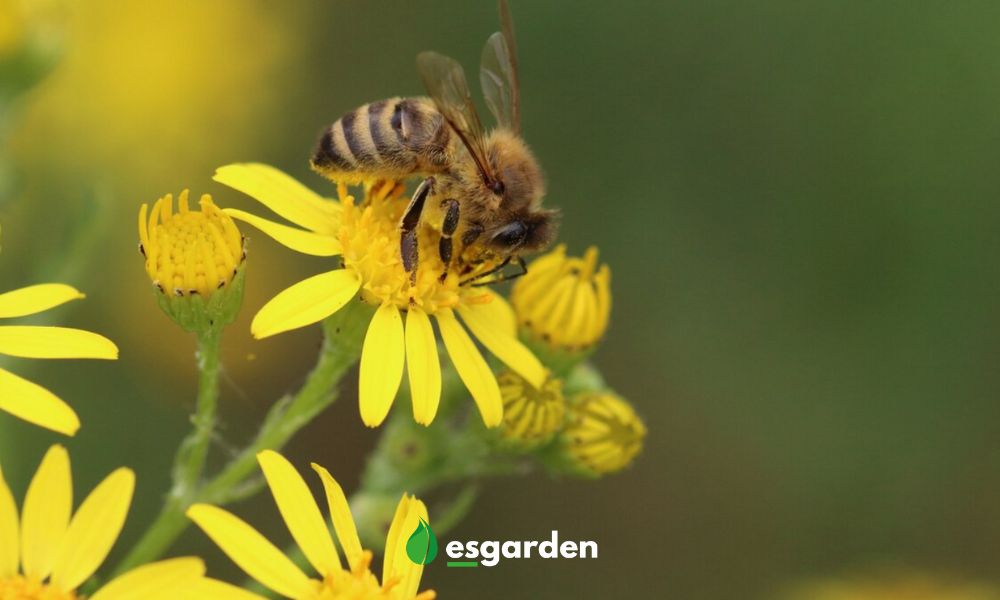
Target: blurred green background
x=797, y=199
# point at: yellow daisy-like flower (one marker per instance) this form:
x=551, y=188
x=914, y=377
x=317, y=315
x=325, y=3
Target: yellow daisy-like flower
x=49, y=551
x=190, y=252
x=195, y=260
x=604, y=434
x=564, y=301
x=366, y=237
x=531, y=416
x=260, y=559
x=21, y=397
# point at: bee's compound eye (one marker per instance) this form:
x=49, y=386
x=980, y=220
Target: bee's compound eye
x=511, y=235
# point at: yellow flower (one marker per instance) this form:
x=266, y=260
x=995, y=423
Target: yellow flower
x=893, y=585
x=189, y=252
x=604, y=434
x=366, y=237
x=564, y=301
x=21, y=397
x=11, y=26
x=194, y=259
x=531, y=416
x=260, y=559
x=49, y=551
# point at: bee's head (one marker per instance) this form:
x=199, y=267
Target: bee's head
x=519, y=181
x=530, y=231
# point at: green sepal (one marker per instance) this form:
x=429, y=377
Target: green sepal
x=197, y=314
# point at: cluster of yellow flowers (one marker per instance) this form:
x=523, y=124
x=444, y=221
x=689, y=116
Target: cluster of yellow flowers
x=195, y=260
x=50, y=551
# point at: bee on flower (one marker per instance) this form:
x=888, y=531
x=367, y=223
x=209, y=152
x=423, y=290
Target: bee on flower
x=364, y=234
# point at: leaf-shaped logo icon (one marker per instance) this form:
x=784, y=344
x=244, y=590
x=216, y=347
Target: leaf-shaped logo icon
x=422, y=547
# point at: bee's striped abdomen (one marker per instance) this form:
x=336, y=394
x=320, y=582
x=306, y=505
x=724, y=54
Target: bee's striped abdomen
x=388, y=139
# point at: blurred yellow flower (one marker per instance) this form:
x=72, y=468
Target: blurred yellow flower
x=49, y=551
x=11, y=26
x=531, y=416
x=604, y=434
x=139, y=80
x=260, y=559
x=366, y=236
x=893, y=585
x=21, y=397
x=564, y=301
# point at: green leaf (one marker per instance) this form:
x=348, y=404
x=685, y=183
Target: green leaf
x=422, y=547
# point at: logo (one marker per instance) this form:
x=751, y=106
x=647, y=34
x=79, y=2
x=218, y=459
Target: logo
x=422, y=548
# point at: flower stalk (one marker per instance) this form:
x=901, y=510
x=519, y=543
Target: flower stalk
x=343, y=335
x=193, y=452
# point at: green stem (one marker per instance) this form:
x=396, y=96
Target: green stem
x=189, y=463
x=286, y=418
x=341, y=349
x=191, y=457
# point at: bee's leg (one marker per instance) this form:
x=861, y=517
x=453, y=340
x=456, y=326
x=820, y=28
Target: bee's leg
x=445, y=246
x=477, y=280
x=472, y=233
x=408, y=227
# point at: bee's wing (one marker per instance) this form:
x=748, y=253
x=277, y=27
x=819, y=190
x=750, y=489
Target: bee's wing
x=498, y=73
x=445, y=82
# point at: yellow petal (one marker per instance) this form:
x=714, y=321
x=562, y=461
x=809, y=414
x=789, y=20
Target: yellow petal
x=306, y=242
x=93, y=530
x=213, y=589
x=307, y=302
x=396, y=537
x=251, y=551
x=35, y=404
x=155, y=581
x=36, y=298
x=472, y=368
x=10, y=540
x=499, y=311
x=382, y=359
x=340, y=512
x=47, y=507
x=397, y=564
x=282, y=194
x=494, y=335
x=299, y=510
x=29, y=341
x=422, y=366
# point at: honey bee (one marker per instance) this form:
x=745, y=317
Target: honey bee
x=483, y=189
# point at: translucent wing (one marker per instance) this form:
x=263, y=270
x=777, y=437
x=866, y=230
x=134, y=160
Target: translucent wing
x=445, y=82
x=498, y=73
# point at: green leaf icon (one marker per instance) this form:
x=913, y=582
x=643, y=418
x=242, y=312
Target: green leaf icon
x=422, y=547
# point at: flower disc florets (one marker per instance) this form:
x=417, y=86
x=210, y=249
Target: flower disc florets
x=195, y=259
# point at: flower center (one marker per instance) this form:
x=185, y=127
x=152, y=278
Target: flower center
x=605, y=433
x=190, y=252
x=19, y=587
x=370, y=238
x=356, y=584
x=531, y=414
